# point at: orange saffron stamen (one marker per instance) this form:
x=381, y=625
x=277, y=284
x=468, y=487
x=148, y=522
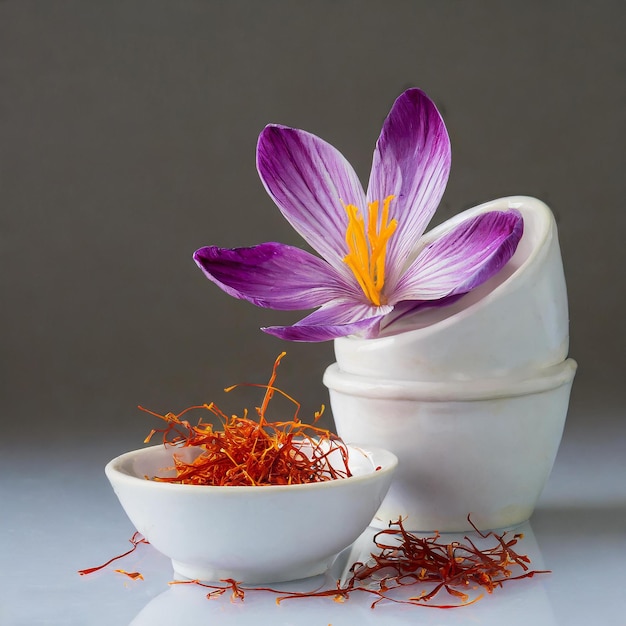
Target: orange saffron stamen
x=367, y=247
x=131, y=575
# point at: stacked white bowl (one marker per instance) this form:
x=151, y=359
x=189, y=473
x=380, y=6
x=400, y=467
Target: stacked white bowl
x=471, y=397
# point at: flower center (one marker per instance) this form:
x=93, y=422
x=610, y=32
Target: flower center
x=367, y=247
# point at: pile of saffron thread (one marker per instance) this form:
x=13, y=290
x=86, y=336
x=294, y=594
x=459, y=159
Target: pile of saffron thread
x=250, y=452
x=405, y=560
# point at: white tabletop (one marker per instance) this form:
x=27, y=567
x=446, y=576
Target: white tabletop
x=60, y=515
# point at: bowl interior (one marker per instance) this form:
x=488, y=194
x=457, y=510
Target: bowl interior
x=157, y=461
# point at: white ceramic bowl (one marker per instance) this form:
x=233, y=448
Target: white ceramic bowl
x=514, y=323
x=483, y=447
x=252, y=534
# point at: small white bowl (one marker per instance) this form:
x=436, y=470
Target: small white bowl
x=515, y=323
x=484, y=447
x=251, y=534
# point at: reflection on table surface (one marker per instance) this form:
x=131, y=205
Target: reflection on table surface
x=48, y=533
x=511, y=604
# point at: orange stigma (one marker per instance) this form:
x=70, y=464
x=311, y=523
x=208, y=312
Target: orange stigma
x=367, y=247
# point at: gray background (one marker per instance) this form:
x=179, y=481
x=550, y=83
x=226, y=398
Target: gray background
x=127, y=140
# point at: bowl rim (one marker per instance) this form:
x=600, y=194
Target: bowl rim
x=523, y=384
x=385, y=460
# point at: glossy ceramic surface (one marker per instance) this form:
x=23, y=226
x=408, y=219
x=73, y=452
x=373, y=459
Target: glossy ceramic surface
x=484, y=448
x=251, y=534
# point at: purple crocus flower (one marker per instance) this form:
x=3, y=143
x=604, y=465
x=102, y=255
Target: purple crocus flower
x=369, y=271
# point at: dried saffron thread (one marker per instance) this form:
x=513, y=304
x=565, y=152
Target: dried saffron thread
x=136, y=539
x=238, y=592
x=406, y=560
x=252, y=453
x=131, y=575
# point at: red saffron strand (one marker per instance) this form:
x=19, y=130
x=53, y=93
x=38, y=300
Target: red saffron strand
x=136, y=539
x=252, y=453
x=407, y=560
x=404, y=561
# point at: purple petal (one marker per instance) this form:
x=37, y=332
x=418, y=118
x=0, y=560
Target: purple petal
x=310, y=181
x=272, y=275
x=463, y=258
x=332, y=321
x=411, y=307
x=412, y=162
